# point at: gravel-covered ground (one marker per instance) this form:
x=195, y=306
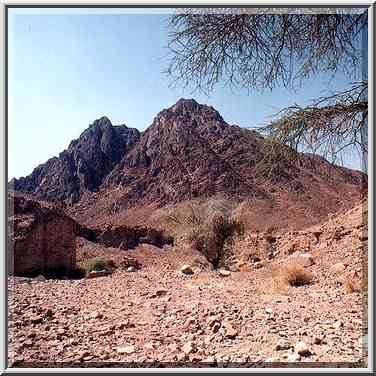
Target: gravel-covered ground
x=159, y=317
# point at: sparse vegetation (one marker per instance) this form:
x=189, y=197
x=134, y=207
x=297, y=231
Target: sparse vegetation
x=297, y=275
x=293, y=274
x=97, y=264
x=211, y=237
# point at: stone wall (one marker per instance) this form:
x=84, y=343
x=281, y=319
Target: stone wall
x=41, y=238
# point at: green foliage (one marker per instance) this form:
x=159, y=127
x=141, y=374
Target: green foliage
x=97, y=264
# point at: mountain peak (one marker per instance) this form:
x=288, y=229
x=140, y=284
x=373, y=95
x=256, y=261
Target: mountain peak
x=102, y=123
x=185, y=103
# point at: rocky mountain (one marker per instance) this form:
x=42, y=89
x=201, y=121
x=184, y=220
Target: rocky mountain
x=188, y=152
x=83, y=166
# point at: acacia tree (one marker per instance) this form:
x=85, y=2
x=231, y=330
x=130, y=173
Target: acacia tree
x=258, y=49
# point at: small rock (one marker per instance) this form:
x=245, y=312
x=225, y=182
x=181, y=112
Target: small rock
x=302, y=349
x=161, y=292
x=271, y=360
x=189, y=348
x=306, y=259
x=317, y=341
x=337, y=325
x=149, y=346
x=209, y=360
x=268, y=311
x=95, y=274
x=338, y=268
x=283, y=344
x=186, y=269
x=172, y=347
x=216, y=326
x=224, y=273
x=230, y=331
x=36, y=319
x=96, y=315
x=258, y=264
x=40, y=278
x=126, y=350
x=131, y=269
x=293, y=357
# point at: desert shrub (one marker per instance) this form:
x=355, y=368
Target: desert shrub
x=350, y=286
x=97, y=264
x=199, y=262
x=295, y=275
x=210, y=238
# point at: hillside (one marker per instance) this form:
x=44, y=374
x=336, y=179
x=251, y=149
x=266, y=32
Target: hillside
x=115, y=174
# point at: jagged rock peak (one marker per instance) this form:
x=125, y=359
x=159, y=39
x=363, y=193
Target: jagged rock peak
x=189, y=109
x=102, y=123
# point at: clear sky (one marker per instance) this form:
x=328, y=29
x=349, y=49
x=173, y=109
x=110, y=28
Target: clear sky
x=68, y=68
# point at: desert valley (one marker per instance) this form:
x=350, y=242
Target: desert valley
x=171, y=247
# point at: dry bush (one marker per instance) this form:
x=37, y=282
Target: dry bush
x=275, y=284
x=211, y=237
x=186, y=216
x=293, y=274
x=350, y=285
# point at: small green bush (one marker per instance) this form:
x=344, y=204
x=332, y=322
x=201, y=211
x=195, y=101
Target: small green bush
x=97, y=264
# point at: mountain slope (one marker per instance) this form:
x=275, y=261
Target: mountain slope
x=189, y=152
x=82, y=166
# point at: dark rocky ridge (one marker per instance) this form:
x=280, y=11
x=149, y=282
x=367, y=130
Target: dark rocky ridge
x=82, y=166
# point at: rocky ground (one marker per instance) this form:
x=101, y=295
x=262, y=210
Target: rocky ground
x=161, y=317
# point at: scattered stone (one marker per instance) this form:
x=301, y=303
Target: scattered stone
x=95, y=315
x=186, y=269
x=306, y=260
x=209, y=360
x=126, y=350
x=258, y=264
x=293, y=357
x=131, y=269
x=189, y=348
x=338, y=268
x=317, y=340
x=36, y=319
x=161, y=292
x=95, y=273
x=302, y=349
x=283, y=344
x=230, y=331
x=337, y=325
x=224, y=273
x=216, y=326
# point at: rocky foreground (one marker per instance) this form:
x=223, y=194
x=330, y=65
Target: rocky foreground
x=160, y=316
x=149, y=316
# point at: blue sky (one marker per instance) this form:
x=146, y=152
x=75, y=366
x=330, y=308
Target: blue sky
x=68, y=68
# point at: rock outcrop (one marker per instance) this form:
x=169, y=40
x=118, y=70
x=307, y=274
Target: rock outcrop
x=82, y=166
